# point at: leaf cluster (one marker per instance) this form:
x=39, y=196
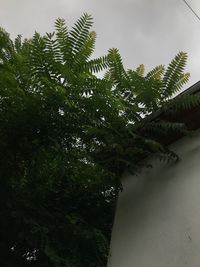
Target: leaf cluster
x=67, y=135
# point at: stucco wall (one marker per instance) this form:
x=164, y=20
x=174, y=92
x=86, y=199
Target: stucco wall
x=157, y=221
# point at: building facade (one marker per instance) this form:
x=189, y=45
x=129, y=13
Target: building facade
x=157, y=222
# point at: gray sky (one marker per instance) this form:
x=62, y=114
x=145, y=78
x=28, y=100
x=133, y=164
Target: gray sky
x=145, y=31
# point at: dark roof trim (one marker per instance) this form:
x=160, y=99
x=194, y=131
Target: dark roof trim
x=190, y=117
x=195, y=88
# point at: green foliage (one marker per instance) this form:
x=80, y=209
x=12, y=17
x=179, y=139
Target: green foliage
x=152, y=91
x=174, y=78
x=67, y=136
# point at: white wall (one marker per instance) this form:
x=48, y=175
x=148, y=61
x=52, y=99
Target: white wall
x=157, y=221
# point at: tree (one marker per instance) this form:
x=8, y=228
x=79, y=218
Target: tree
x=66, y=136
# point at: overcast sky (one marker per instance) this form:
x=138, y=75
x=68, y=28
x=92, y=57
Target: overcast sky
x=145, y=31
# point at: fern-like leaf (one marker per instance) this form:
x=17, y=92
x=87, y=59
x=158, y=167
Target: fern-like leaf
x=117, y=71
x=86, y=50
x=173, y=75
x=163, y=127
x=182, y=102
x=80, y=32
x=96, y=65
x=183, y=79
x=156, y=73
x=63, y=40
